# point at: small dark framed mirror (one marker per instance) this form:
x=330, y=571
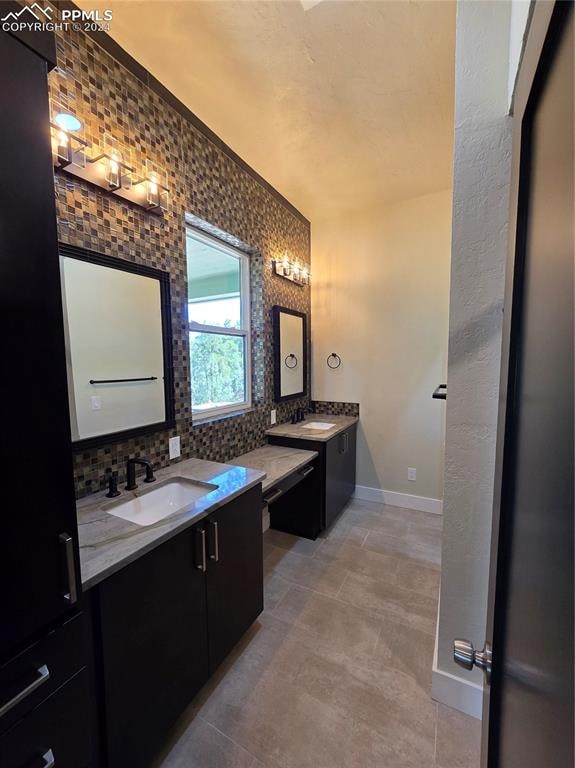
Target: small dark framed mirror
x=117, y=321
x=290, y=353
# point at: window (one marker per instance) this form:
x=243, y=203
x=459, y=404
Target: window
x=219, y=326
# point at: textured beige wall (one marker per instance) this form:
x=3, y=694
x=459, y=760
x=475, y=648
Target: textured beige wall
x=380, y=296
x=482, y=155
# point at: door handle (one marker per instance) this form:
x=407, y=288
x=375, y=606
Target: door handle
x=43, y=675
x=71, y=596
x=216, y=554
x=49, y=759
x=202, y=565
x=467, y=657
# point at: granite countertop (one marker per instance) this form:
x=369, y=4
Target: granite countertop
x=301, y=432
x=276, y=461
x=108, y=543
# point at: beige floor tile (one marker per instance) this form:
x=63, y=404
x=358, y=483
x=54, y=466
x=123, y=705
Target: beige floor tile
x=310, y=572
x=416, y=546
x=335, y=625
x=458, y=739
x=406, y=649
x=291, y=543
x=388, y=600
x=277, y=722
x=354, y=559
x=370, y=749
x=202, y=746
x=418, y=577
x=275, y=589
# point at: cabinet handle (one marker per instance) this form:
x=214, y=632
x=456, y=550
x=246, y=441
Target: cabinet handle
x=68, y=542
x=274, y=496
x=202, y=566
x=49, y=759
x=43, y=677
x=216, y=555
x=306, y=471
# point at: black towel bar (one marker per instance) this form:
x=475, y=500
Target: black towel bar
x=438, y=394
x=121, y=381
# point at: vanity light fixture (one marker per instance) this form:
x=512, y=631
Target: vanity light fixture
x=292, y=271
x=156, y=194
x=68, y=147
x=110, y=168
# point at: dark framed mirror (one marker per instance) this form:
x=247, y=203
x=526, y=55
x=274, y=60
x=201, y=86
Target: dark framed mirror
x=290, y=353
x=117, y=321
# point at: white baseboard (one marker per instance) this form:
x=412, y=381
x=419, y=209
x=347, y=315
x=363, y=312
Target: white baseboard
x=454, y=691
x=394, y=499
x=457, y=693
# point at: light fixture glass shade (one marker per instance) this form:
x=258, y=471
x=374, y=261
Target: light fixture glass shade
x=156, y=191
x=68, y=146
x=117, y=167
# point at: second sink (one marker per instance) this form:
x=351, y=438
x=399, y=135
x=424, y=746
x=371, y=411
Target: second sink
x=152, y=505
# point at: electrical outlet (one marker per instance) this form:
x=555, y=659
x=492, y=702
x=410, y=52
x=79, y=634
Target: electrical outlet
x=174, y=447
x=273, y=417
x=96, y=403
x=412, y=474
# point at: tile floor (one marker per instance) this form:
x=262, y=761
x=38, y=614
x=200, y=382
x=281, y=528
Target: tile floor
x=336, y=672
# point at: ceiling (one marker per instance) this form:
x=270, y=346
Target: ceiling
x=339, y=104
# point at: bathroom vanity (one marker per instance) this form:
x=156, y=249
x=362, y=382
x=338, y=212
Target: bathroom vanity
x=334, y=439
x=168, y=600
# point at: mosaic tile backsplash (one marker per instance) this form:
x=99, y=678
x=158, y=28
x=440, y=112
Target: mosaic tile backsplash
x=335, y=409
x=213, y=191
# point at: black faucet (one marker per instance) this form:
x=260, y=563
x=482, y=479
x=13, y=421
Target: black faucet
x=131, y=484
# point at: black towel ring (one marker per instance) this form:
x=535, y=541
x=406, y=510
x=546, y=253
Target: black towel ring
x=337, y=360
x=289, y=357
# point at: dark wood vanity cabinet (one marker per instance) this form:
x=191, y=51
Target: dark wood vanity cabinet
x=334, y=483
x=48, y=703
x=234, y=575
x=168, y=619
x=154, y=646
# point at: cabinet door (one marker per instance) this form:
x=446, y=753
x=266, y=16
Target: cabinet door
x=348, y=463
x=339, y=473
x=33, y=401
x=55, y=732
x=153, y=647
x=235, y=572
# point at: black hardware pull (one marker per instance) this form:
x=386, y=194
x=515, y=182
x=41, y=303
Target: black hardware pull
x=438, y=394
x=121, y=381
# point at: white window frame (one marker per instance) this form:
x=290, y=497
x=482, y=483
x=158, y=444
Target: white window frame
x=203, y=414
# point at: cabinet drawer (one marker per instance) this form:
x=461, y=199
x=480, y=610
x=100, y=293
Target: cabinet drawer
x=54, y=733
x=38, y=671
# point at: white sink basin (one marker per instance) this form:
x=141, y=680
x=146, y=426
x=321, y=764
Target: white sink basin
x=154, y=504
x=318, y=425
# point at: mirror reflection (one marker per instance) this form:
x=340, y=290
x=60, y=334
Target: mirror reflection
x=115, y=329
x=290, y=346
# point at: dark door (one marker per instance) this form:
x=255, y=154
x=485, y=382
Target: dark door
x=529, y=705
x=339, y=473
x=154, y=651
x=234, y=573
x=37, y=503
